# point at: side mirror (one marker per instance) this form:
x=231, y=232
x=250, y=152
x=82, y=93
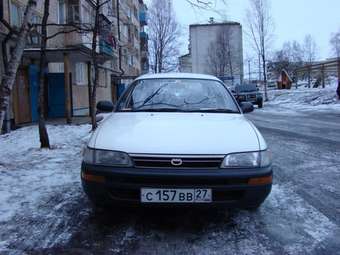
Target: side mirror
x=104, y=106
x=247, y=107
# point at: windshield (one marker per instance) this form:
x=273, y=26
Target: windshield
x=246, y=88
x=187, y=95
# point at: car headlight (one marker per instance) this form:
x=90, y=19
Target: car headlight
x=247, y=159
x=106, y=158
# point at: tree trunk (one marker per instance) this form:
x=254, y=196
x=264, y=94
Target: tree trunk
x=265, y=77
x=95, y=66
x=156, y=62
x=11, y=68
x=160, y=61
x=309, y=77
x=230, y=64
x=89, y=87
x=43, y=135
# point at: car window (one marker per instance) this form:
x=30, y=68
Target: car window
x=178, y=95
x=246, y=88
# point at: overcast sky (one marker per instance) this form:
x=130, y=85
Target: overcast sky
x=293, y=20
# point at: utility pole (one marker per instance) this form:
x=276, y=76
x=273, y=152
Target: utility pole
x=67, y=89
x=339, y=73
x=249, y=74
x=323, y=76
x=260, y=76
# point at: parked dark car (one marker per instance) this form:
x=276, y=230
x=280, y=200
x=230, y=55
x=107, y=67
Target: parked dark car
x=248, y=93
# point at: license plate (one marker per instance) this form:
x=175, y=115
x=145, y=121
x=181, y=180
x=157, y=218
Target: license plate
x=176, y=195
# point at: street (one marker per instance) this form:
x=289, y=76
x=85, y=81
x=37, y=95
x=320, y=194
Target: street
x=301, y=215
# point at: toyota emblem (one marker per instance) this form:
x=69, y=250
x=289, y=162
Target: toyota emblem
x=176, y=162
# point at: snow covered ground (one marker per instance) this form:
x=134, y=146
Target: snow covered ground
x=36, y=185
x=303, y=99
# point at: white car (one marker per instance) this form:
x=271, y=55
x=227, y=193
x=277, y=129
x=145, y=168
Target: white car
x=179, y=139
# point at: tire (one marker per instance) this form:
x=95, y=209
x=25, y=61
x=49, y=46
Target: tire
x=260, y=104
x=253, y=208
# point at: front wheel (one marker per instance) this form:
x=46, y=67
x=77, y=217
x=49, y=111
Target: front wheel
x=253, y=208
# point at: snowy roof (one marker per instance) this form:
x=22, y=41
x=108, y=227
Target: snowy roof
x=185, y=55
x=286, y=73
x=178, y=76
x=228, y=23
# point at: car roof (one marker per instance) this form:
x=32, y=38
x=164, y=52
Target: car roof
x=178, y=76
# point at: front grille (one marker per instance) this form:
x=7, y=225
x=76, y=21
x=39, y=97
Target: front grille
x=171, y=181
x=186, y=162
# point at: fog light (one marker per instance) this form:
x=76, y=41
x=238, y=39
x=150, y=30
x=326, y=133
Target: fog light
x=261, y=180
x=93, y=178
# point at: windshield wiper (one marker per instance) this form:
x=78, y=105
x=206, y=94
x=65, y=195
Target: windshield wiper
x=157, y=110
x=149, y=98
x=215, y=110
x=143, y=106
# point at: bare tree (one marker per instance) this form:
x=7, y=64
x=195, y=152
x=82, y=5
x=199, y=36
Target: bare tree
x=309, y=49
x=44, y=37
x=204, y=4
x=309, y=54
x=260, y=30
x=164, y=32
x=93, y=28
x=289, y=57
x=335, y=43
x=221, y=56
x=11, y=67
x=43, y=135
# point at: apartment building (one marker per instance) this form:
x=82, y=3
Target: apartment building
x=144, y=38
x=202, y=38
x=69, y=56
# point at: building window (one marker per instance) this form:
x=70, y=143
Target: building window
x=126, y=31
x=102, y=76
x=61, y=12
x=108, y=78
x=74, y=16
x=34, y=35
x=135, y=12
x=136, y=33
x=81, y=73
x=86, y=16
x=15, y=15
x=131, y=60
x=113, y=7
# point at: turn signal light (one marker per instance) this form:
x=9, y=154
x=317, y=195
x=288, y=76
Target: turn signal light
x=261, y=180
x=93, y=178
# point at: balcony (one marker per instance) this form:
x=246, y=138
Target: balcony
x=105, y=47
x=143, y=36
x=107, y=41
x=143, y=18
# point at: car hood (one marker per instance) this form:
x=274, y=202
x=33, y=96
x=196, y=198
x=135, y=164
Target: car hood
x=176, y=133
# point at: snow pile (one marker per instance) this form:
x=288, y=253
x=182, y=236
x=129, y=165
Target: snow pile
x=305, y=98
x=40, y=189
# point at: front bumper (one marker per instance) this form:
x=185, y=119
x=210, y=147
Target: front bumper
x=230, y=187
x=252, y=99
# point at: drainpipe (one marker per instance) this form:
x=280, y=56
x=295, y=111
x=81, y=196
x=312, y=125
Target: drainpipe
x=119, y=47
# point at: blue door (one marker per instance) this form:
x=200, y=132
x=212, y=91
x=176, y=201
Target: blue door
x=56, y=95
x=34, y=90
x=120, y=89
